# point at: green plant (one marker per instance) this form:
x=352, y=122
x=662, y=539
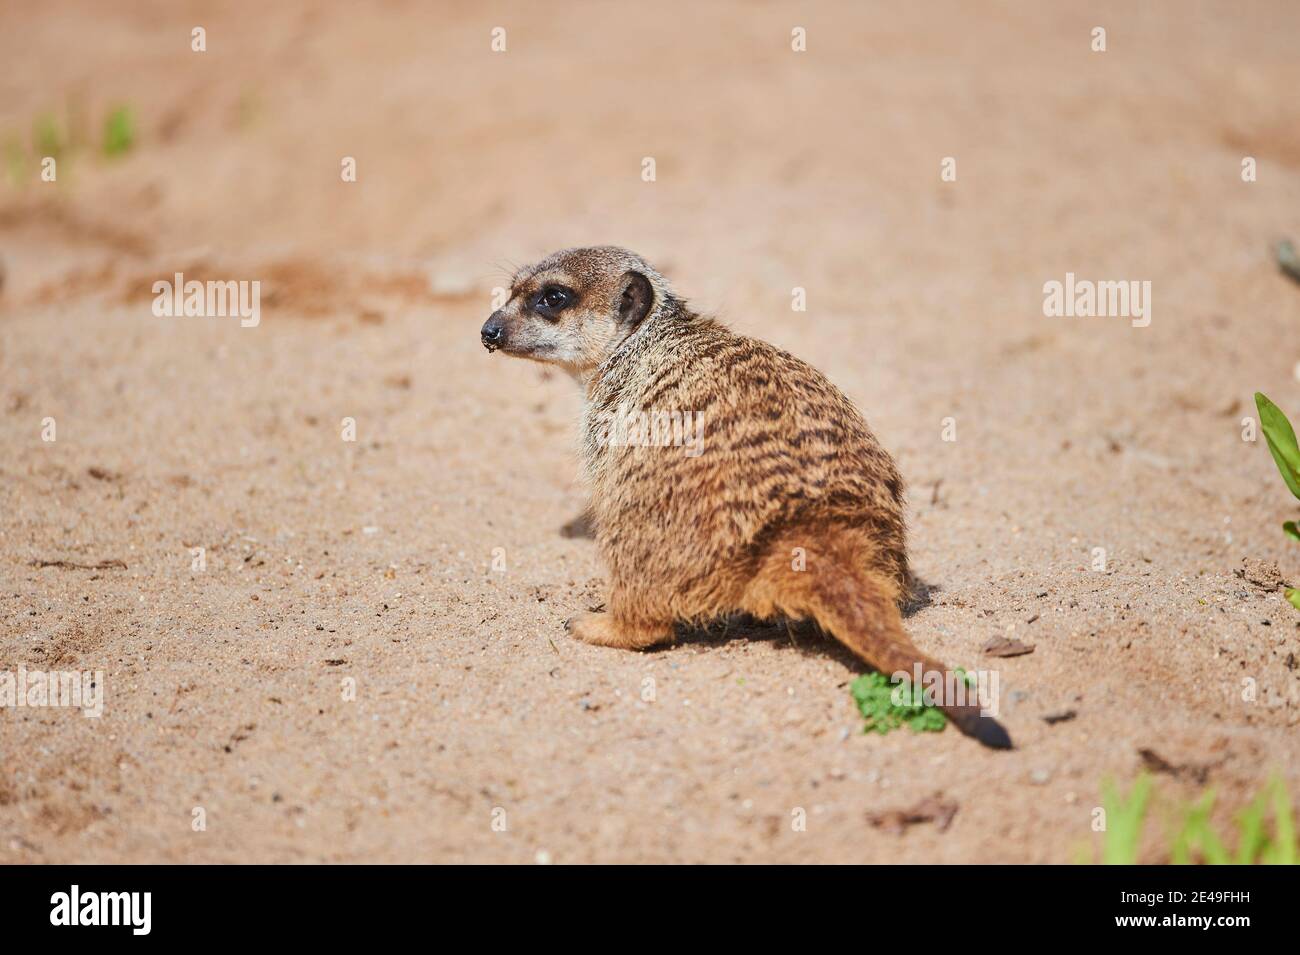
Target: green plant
x=119, y=131
x=15, y=160
x=1195, y=840
x=1124, y=818
x=886, y=706
x=49, y=136
x=1197, y=836
x=1281, y=440
x=1282, y=850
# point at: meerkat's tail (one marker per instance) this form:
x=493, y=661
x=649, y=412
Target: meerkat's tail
x=860, y=607
x=861, y=610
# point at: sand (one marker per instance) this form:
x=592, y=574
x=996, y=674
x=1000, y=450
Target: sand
x=371, y=664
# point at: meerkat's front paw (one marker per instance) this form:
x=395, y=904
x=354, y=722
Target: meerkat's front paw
x=594, y=628
x=601, y=629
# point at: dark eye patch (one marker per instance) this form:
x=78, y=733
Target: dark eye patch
x=553, y=299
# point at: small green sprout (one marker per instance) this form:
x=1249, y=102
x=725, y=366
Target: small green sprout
x=119, y=132
x=15, y=160
x=876, y=695
x=49, y=136
x=1124, y=817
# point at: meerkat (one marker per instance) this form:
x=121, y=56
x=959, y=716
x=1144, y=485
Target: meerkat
x=788, y=508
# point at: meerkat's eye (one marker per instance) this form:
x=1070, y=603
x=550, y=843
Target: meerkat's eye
x=553, y=298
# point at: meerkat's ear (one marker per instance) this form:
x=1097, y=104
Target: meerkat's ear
x=636, y=299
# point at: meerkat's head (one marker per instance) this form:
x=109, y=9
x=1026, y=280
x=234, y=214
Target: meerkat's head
x=576, y=306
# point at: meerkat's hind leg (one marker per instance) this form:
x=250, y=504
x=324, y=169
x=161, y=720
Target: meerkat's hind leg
x=611, y=630
x=582, y=526
x=859, y=605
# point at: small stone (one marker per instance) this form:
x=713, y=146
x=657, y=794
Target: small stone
x=1263, y=574
x=1007, y=646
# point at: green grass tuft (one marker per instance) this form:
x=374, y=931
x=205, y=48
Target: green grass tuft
x=1124, y=818
x=49, y=137
x=1195, y=840
x=886, y=706
x=119, y=132
x=15, y=160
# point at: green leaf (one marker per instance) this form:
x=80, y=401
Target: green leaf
x=1290, y=529
x=1250, y=826
x=1124, y=819
x=1281, y=441
x=1199, y=836
x=1284, y=845
x=1293, y=596
x=885, y=706
x=1215, y=853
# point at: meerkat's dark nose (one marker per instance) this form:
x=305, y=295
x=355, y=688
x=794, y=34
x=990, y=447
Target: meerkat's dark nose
x=494, y=332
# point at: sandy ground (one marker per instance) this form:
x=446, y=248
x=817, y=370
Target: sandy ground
x=332, y=564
